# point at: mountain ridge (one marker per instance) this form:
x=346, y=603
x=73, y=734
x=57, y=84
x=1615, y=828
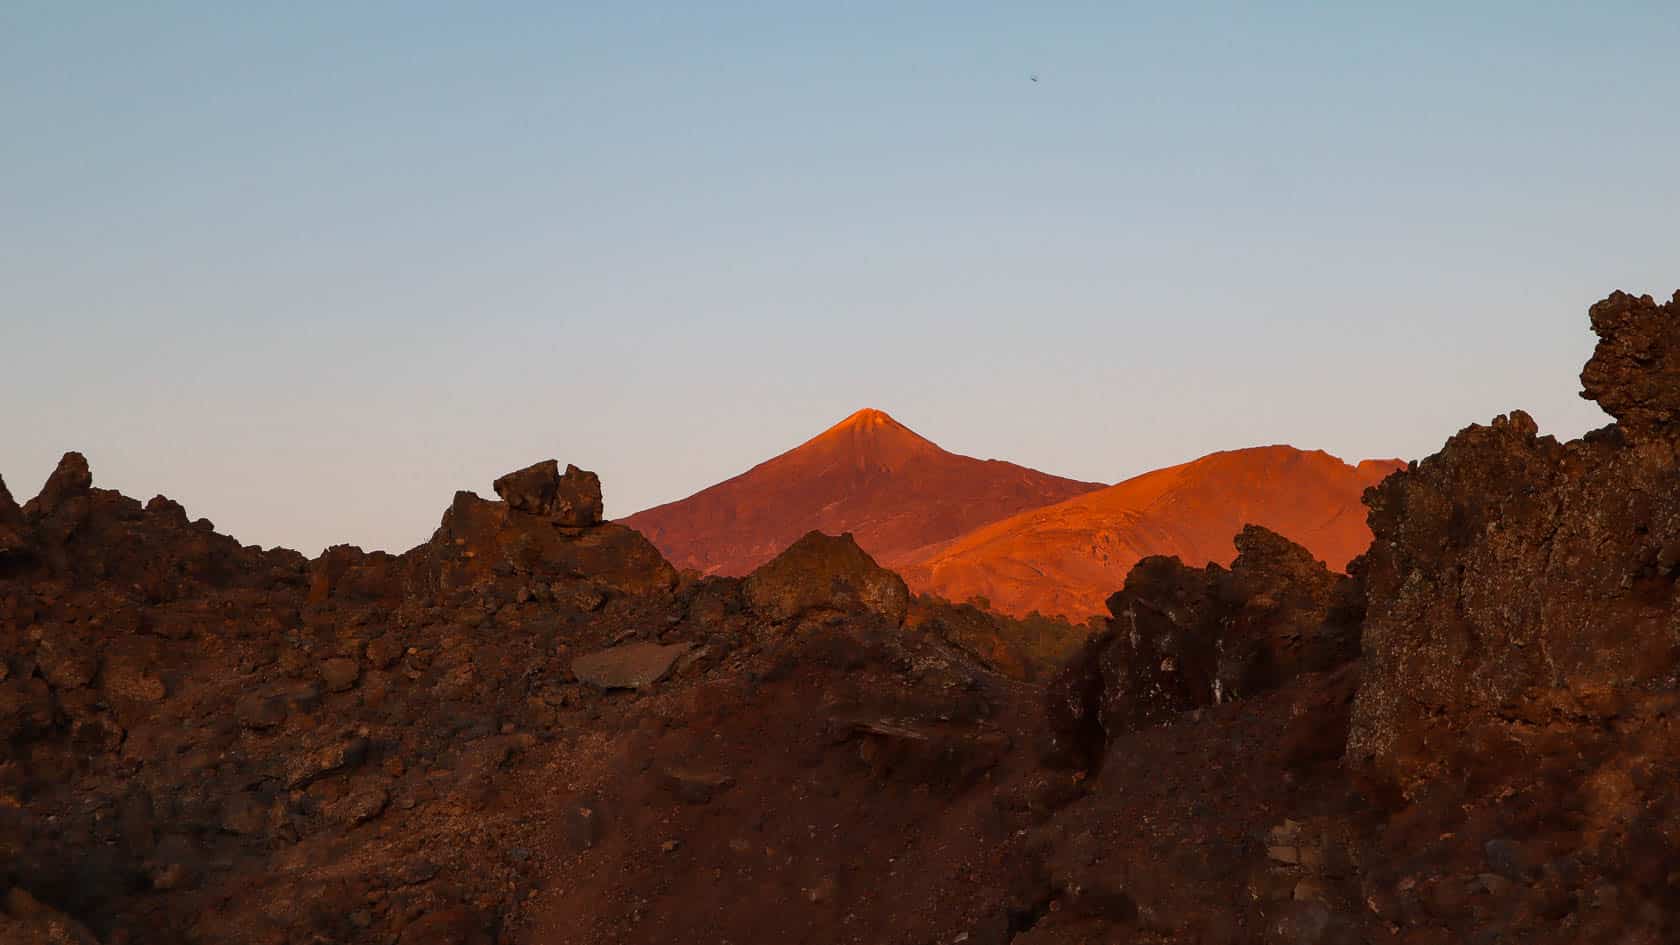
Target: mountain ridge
x=1067, y=557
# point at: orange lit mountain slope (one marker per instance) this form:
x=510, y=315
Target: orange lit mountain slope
x=869, y=475
x=1067, y=558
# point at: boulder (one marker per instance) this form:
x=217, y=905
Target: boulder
x=480, y=540
x=572, y=500
x=826, y=573
x=70, y=480
x=1634, y=373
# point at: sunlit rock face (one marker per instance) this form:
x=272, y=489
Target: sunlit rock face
x=1067, y=558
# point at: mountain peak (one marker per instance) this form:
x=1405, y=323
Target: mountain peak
x=868, y=474
x=869, y=418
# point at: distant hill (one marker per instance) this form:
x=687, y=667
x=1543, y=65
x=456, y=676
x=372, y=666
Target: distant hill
x=870, y=475
x=1069, y=557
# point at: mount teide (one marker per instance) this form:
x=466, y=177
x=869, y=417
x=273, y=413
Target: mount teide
x=870, y=475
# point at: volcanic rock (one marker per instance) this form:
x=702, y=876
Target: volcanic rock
x=631, y=666
x=1564, y=553
x=1182, y=638
x=1634, y=373
x=340, y=673
x=14, y=531
x=480, y=539
x=826, y=573
x=539, y=489
x=70, y=480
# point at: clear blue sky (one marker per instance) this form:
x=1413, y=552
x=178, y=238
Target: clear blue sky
x=309, y=268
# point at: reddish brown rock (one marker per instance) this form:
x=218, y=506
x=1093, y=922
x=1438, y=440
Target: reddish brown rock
x=826, y=573
x=14, y=531
x=480, y=539
x=1634, y=373
x=573, y=499
x=631, y=666
x=70, y=480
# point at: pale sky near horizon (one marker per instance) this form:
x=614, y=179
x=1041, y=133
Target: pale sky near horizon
x=309, y=268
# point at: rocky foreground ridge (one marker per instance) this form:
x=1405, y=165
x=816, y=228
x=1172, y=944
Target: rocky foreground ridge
x=534, y=729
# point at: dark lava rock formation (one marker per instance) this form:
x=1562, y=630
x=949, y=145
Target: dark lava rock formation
x=532, y=729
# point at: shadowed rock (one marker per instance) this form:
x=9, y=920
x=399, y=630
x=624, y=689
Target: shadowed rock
x=1183, y=638
x=823, y=572
x=631, y=666
x=14, y=530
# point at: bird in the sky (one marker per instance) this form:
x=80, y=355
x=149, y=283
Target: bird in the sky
x=1034, y=77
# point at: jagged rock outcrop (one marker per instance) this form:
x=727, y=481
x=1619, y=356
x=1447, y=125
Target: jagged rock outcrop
x=1515, y=579
x=1634, y=373
x=14, y=531
x=481, y=540
x=546, y=540
x=201, y=742
x=824, y=573
x=573, y=499
x=1182, y=638
x=70, y=480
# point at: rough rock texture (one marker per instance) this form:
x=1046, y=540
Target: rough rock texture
x=823, y=573
x=1182, y=638
x=1515, y=579
x=573, y=499
x=201, y=742
x=187, y=756
x=69, y=481
x=1026, y=648
x=1634, y=373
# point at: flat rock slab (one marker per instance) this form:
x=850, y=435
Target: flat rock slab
x=631, y=666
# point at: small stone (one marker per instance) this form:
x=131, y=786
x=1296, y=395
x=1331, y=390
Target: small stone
x=325, y=761
x=383, y=651
x=670, y=846
x=340, y=673
x=582, y=827
x=254, y=710
x=695, y=787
